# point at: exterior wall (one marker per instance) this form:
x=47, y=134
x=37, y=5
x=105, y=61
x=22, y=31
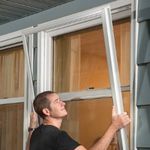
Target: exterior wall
x=51, y=14
x=143, y=88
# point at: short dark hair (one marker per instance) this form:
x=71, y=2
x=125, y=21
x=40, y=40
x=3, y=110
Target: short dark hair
x=41, y=101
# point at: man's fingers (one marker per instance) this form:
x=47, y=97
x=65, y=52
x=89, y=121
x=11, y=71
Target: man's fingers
x=114, y=112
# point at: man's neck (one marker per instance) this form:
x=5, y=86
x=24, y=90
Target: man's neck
x=53, y=121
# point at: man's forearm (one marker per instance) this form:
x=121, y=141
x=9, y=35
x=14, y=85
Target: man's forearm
x=104, y=142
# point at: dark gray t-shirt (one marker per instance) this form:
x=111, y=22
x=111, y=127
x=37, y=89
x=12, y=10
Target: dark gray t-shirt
x=48, y=137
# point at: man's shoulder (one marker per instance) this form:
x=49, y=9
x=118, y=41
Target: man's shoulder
x=47, y=129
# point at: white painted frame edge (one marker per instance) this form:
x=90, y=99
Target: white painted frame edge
x=89, y=94
x=134, y=73
x=12, y=100
x=44, y=62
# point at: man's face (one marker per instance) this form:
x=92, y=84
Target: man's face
x=57, y=106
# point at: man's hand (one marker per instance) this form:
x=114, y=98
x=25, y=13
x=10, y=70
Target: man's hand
x=119, y=121
x=33, y=120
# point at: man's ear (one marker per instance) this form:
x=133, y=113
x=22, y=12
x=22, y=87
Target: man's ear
x=46, y=111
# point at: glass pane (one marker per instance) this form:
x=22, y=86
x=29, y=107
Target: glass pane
x=11, y=127
x=80, y=59
x=87, y=120
x=11, y=72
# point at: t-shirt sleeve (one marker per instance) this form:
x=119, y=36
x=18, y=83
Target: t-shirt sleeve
x=65, y=142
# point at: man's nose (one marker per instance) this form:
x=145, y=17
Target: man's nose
x=63, y=103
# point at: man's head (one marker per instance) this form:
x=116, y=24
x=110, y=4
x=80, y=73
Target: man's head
x=48, y=103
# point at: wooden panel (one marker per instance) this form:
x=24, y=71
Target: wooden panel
x=62, y=68
x=122, y=41
x=11, y=72
x=11, y=127
x=81, y=57
x=12, y=85
x=94, y=72
x=75, y=63
x=67, y=63
x=71, y=122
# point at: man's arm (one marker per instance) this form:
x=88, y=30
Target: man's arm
x=104, y=142
x=33, y=125
x=118, y=122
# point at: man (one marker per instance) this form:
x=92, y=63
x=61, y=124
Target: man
x=48, y=136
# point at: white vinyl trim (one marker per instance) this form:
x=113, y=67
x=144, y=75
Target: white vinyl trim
x=11, y=46
x=134, y=73
x=12, y=100
x=10, y=41
x=29, y=66
x=89, y=94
